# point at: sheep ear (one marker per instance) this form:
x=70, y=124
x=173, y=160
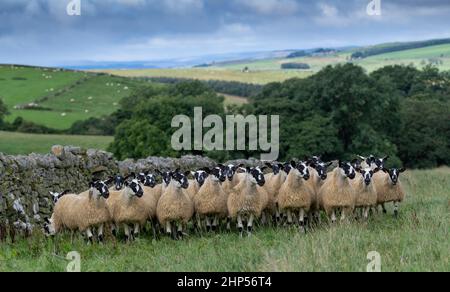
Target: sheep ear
x=386, y=157
x=293, y=163
x=248, y=169
x=186, y=174
x=401, y=170
x=64, y=193
x=264, y=168
x=193, y=173
x=340, y=164
x=268, y=164
x=385, y=170
x=280, y=165
x=354, y=161
x=328, y=164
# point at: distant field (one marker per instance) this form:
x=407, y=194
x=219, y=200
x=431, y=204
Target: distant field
x=18, y=143
x=71, y=95
x=417, y=57
x=255, y=77
x=233, y=99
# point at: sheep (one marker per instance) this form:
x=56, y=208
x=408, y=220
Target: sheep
x=211, y=200
x=336, y=193
x=126, y=207
x=365, y=192
x=274, y=181
x=195, y=184
x=152, y=193
x=318, y=173
x=247, y=199
x=372, y=162
x=82, y=213
x=166, y=178
x=295, y=194
x=232, y=179
x=175, y=206
x=389, y=188
x=119, y=182
x=56, y=196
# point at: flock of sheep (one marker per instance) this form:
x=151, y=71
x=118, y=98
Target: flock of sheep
x=215, y=198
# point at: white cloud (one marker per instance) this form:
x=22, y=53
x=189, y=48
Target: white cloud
x=268, y=7
x=183, y=6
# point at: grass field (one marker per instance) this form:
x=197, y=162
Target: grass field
x=417, y=241
x=84, y=95
x=18, y=143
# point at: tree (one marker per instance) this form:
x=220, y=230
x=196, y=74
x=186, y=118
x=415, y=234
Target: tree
x=3, y=113
x=146, y=117
x=424, y=139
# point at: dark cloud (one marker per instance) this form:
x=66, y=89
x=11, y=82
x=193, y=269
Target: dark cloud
x=40, y=31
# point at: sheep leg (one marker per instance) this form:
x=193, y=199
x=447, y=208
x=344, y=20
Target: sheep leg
x=240, y=225
x=154, y=224
x=396, y=209
x=100, y=233
x=384, y=208
x=228, y=224
x=128, y=235
x=208, y=224
x=136, y=230
x=263, y=218
x=366, y=213
x=199, y=222
x=277, y=215
x=168, y=228
x=89, y=235
x=180, y=230
x=250, y=225
x=333, y=216
x=114, y=230
x=301, y=220
x=215, y=223
x=289, y=217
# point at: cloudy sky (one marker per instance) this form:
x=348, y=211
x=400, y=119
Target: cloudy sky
x=40, y=32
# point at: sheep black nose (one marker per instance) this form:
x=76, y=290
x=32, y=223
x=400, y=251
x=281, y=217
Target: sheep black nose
x=323, y=177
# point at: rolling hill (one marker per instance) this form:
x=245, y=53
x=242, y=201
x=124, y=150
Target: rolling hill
x=60, y=97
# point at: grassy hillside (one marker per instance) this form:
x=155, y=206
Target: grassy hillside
x=70, y=95
x=418, y=57
x=18, y=143
x=417, y=241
